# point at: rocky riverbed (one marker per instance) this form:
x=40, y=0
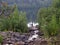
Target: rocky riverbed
x=15, y=38
x=33, y=37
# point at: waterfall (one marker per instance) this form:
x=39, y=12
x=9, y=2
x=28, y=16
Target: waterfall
x=8, y=44
x=35, y=36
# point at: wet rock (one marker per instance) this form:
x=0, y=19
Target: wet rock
x=19, y=43
x=16, y=38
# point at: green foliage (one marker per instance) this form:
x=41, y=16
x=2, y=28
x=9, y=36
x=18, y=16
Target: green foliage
x=49, y=19
x=56, y=3
x=52, y=27
x=1, y=39
x=14, y=22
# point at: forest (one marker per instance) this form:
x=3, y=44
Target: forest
x=12, y=19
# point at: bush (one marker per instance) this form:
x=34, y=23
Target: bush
x=1, y=39
x=14, y=22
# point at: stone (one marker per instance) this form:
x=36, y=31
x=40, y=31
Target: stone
x=19, y=43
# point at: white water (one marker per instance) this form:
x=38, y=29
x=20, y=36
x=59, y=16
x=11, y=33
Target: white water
x=34, y=24
x=35, y=36
x=8, y=44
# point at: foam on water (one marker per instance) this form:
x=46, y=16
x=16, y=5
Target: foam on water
x=35, y=36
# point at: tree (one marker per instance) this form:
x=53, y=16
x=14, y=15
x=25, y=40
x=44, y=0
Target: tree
x=16, y=21
x=52, y=27
x=50, y=18
x=56, y=3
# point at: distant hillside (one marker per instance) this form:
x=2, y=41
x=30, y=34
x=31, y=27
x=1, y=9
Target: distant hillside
x=29, y=6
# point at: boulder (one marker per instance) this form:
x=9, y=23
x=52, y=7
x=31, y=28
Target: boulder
x=19, y=43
